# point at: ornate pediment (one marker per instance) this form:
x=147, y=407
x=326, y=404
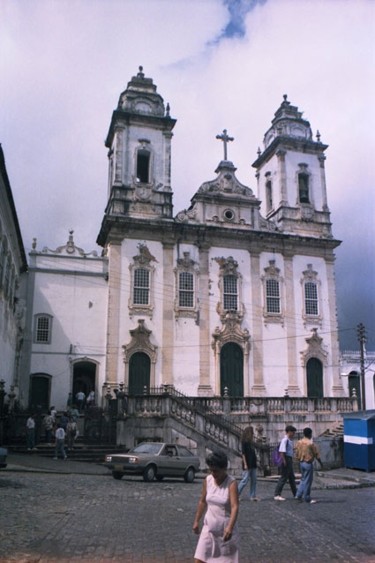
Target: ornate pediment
x=231, y=331
x=68, y=249
x=226, y=183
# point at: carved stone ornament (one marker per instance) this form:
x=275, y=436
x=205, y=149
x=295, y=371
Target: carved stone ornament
x=144, y=257
x=231, y=331
x=226, y=183
x=69, y=248
x=228, y=266
x=140, y=342
x=314, y=349
x=185, y=215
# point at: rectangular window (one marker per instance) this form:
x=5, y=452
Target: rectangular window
x=230, y=293
x=273, y=296
x=311, y=298
x=141, y=290
x=43, y=328
x=186, y=289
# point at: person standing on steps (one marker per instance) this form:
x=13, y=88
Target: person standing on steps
x=287, y=473
x=249, y=463
x=60, y=440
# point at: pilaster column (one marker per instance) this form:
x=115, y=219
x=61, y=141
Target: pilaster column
x=258, y=388
x=113, y=314
x=167, y=159
x=290, y=325
x=282, y=174
x=337, y=388
x=204, y=387
x=323, y=182
x=168, y=326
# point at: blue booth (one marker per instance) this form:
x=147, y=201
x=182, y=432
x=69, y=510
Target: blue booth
x=359, y=440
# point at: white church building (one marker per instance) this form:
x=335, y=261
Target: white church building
x=234, y=296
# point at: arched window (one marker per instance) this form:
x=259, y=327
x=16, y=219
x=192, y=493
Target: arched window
x=303, y=188
x=143, y=166
x=269, y=201
x=354, y=384
x=314, y=374
x=139, y=373
x=231, y=370
x=42, y=329
x=40, y=389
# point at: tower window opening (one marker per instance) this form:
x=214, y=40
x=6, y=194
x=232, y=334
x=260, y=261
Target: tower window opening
x=269, y=201
x=303, y=188
x=143, y=166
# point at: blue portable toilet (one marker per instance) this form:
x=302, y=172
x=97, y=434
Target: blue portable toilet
x=359, y=440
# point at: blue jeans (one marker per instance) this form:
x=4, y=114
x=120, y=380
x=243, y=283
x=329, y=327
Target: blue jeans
x=307, y=474
x=287, y=474
x=248, y=475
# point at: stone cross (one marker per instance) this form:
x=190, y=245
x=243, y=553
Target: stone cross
x=226, y=139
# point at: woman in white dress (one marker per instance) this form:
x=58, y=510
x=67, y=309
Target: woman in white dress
x=219, y=539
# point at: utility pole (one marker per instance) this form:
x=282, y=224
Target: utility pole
x=361, y=331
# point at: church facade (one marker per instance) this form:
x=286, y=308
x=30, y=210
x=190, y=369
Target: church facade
x=233, y=296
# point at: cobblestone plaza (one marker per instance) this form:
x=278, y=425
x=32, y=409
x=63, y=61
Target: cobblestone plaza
x=88, y=516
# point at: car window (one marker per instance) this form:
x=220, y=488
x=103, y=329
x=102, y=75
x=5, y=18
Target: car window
x=182, y=451
x=152, y=449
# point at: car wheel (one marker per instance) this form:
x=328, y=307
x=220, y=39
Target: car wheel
x=117, y=475
x=159, y=477
x=149, y=473
x=189, y=475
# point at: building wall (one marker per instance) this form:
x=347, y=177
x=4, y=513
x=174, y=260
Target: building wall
x=13, y=279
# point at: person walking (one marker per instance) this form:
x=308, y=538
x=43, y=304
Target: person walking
x=30, y=432
x=219, y=538
x=306, y=452
x=249, y=463
x=60, y=439
x=80, y=400
x=287, y=472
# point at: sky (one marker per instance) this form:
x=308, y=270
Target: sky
x=221, y=64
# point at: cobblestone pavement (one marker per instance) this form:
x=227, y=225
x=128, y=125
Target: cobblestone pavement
x=48, y=517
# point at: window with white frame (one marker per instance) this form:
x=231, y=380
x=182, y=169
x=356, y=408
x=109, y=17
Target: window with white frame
x=141, y=287
x=230, y=293
x=42, y=329
x=272, y=291
x=273, y=296
x=141, y=275
x=230, y=286
x=311, y=295
x=311, y=298
x=185, y=289
x=186, y=273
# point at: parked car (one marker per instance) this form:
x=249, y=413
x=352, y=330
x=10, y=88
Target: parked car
x=154, y=460
x=3, y=457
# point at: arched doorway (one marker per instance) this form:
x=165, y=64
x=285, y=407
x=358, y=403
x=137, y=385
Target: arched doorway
x=139, y=373
x=84, y=377
x=40, y=387
x=354, y=384
x=314, y=371
x=231, y=370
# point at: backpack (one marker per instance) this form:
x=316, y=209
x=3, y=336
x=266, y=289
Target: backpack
x=276, y=456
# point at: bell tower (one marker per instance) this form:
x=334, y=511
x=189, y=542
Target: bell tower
x=139, y=143
x=291, y=175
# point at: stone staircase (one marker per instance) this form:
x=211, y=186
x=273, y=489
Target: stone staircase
x=94, y=453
